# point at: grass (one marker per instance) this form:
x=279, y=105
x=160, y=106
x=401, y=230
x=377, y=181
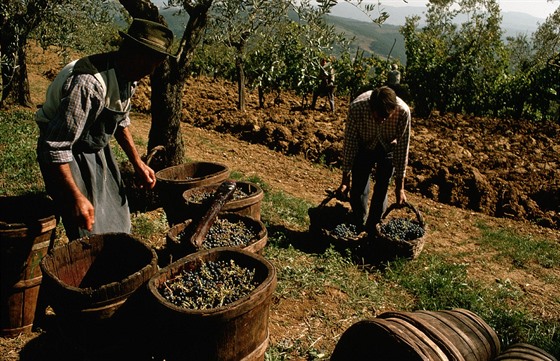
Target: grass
x=521, y=251
x=432, y=282
x=19, y=170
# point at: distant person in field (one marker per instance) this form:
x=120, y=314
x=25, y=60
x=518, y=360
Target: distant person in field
x=86, y=105
x=394, y=81
x=326, y=86
x=394, y=77
x=376, y=141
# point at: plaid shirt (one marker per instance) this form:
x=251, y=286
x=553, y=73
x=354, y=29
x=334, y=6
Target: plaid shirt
x=363, y=131
x=82, y=99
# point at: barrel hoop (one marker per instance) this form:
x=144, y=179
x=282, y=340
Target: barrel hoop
x=258, y=351
x=526, y=352
x=432, y=331
x=422, y=337
x=476, y=331
x=105, y=307
x=42, y=245
x=29, y=283
x=491, y=334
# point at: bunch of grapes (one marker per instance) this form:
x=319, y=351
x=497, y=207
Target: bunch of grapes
x=213, y=284
x=401, y=229
x=204, y=196
x=345, y=230
x=200, y=196
x=224, y=233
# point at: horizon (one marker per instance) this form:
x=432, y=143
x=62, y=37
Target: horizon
x=538, y=8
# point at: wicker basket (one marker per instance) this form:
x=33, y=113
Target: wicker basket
x=392, y=248
x=324, y=218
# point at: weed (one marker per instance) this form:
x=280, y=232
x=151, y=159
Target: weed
x=521, y=250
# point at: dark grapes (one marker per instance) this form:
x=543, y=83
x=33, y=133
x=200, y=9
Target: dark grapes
x=345, y=230
x=206, y=196
x=401, y=229
x=213, y=284
x=225, y=233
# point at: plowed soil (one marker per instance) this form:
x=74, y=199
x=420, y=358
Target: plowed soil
x=462, y=170
x=503, y=168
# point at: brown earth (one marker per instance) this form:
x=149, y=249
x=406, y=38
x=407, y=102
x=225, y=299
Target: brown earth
x=463, y=170
x=502, y=168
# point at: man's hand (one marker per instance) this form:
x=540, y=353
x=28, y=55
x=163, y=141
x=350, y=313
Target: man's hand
x=84, y=213
x=343, y=190
x=146, y=176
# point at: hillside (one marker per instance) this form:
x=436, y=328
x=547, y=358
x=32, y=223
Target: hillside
x=456, y=162
x=503, y=168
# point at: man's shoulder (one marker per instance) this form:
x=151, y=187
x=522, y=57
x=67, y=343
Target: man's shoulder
x=361, y=99
x=94, y=63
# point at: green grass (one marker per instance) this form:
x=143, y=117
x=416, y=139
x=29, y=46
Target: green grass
x=307, y=269
x=19, y=171
x=520, y=250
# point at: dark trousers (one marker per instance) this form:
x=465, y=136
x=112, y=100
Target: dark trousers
x=366, y=161
x=324, y=90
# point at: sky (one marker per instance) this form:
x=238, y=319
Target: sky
x=538, y=8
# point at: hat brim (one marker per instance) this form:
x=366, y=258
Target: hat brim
x=157, y=50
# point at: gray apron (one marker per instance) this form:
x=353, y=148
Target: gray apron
x=96, y=173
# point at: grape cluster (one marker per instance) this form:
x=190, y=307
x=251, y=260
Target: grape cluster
x=345, y=230
x=205, y=196
x=213, y=284
x=225, y=233
x=401, y=229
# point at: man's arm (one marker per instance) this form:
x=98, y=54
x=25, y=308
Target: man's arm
x=78, y=203
x=146, y=174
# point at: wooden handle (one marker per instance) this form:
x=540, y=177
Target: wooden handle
x=221, y=196
x=407, y=205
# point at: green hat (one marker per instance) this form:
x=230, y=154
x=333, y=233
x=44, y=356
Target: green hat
x=150, y=34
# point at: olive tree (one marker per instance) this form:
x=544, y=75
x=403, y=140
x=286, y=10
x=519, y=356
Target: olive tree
x=17, y=20
x=169, y=79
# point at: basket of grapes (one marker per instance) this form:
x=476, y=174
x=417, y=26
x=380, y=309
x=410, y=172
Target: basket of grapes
x=334, y=223
x=400, y=236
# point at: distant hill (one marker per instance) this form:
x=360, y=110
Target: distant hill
x=376, y=39
x=512, y=22
x=369, y=37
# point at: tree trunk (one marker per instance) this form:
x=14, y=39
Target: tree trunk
x=15, y=85
x=167, y=102
x=240, y=84
x=169, y=79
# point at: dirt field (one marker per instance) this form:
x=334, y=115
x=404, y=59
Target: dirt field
x=461, y=170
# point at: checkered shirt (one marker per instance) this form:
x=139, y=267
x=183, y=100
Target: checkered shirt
x=362, y=131
x=82, y=99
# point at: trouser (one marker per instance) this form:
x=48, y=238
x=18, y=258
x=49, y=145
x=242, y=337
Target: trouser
x=323, y=91
x=364, y=163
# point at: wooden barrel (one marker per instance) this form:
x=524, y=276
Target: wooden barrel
x=237, y=331
x=524, y=351
x=179, y=247
x=249, y=205
x=173, y=181
x=26, y=227
x=89, y=282
x=460, y=333
x=456, y=334
x=387, y=340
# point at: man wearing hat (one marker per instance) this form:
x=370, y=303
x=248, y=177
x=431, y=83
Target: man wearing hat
x=86, y=105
